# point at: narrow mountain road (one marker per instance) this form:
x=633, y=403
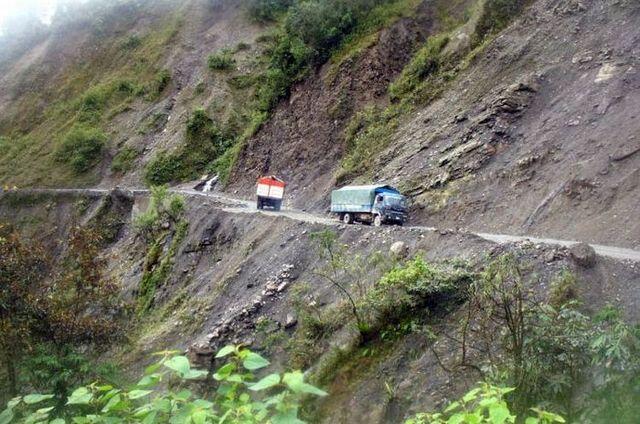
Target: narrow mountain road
x=233, y=205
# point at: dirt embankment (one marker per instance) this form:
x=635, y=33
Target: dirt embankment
x=304, y=141
x=237, y=277
x=540, y=135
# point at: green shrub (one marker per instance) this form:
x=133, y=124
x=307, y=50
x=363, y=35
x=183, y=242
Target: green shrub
x=81, y=148
x=221, y=60
x=484, y=404
x=164, y=168
x=266, y=10
x=425, y=62
x=162, y=207
x=131, y=43
x=411, y=286
x=240, y=82
x=241, y=397
x=124, y=159
x=563, y=289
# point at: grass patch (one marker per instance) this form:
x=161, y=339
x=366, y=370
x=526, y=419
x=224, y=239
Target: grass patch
x=81, y=148
x=221, y=61
x=124, y=160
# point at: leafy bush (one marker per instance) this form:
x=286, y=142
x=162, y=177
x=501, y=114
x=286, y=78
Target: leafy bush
x=563, y=289
x=204, y=143
x=81, y=148
x=163, y=168
x=163, y=207
x=221, y=60
x=240, y=397
x=414, y=285
x=484, y=404
x=123, y=160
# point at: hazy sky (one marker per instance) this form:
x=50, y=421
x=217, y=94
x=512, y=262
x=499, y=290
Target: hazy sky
x=44, y=8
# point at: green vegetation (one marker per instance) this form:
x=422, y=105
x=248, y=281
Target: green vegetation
x=81, y=148
x=496, y=15
x=484, y=404
x=123, y=161
x=267, y=10
x=308, y=32
x=239, y=398
x=47, y=334
x=87, y=95
x=426, y=61
x=161, y=223
x=221, y=61
x=204, y=143
x=162, y=80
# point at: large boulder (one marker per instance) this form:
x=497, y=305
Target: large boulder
x=399, y=249
x=583, y=255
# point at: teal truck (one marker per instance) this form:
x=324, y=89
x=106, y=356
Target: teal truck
x=369, y=204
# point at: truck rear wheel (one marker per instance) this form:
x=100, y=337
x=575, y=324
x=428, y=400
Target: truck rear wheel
x=377, y=221
x=347, y=218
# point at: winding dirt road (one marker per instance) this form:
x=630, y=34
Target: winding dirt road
x=233, y=205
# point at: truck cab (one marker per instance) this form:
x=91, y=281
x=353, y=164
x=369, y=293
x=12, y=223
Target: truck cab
x=389, y=208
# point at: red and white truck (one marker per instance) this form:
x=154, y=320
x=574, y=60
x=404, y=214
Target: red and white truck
x=270, y=192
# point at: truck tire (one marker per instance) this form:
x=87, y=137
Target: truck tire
x=347, y=218
x=377, y=221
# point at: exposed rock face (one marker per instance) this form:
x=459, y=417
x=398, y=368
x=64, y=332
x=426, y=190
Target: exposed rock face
x=583, y=255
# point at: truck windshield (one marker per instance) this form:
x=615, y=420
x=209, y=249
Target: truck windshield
x=394, y=201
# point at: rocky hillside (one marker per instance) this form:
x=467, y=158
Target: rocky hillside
x=493, y=116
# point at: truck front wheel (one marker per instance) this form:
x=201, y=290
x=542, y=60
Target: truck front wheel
x=377, y=221
x=347, y=218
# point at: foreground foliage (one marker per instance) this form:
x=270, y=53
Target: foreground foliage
x=50, y=312
x=484, y=404
x=240, y=397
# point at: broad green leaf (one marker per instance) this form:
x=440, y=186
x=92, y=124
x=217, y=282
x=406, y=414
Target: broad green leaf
x=295, y=382
x=265, y=383
x=225, y=351
x=57, y=421
x=253, y=361
x=452, y=406
x=204, y=404
x=35, y=398
x=531, y=420
x=193, y=374
x=80, y=396
x=136, y=394
x=152, y=368
x=471, y=395
x=179, y=364
x=14, y=402
x=499, y=413
x=183, y=395
x=224, y=371
x=199, y=416
x=6, y=416
x=111, y=405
